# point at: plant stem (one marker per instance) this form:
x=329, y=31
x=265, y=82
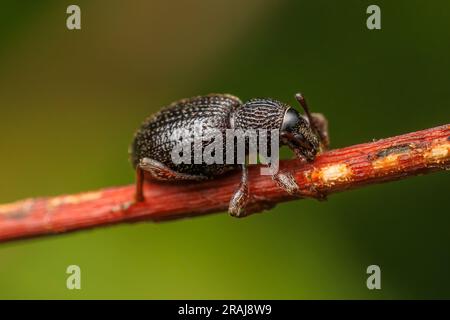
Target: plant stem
x=336, y=170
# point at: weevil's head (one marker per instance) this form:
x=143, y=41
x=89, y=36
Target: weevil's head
x=297, y=134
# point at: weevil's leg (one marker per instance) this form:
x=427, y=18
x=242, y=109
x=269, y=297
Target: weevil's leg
x=240, y=197
x=286, y=181
x=317, y=121
x=161, y=172
x=158, y=171
x=139, y=196
x=283, y=179
x=320, y=124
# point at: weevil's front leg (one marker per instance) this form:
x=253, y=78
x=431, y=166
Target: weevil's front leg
x=283, y=179
x=286, y=181
x=240, y=198
x=320, y=124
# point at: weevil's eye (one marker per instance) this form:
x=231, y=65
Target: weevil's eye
x=290, y=121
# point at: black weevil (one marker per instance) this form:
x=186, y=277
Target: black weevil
x=153, y=143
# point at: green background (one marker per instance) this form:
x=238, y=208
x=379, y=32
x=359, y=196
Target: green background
x=71, y=100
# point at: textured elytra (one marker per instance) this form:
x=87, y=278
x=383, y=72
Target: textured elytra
x=260, y=113
x=155, y=138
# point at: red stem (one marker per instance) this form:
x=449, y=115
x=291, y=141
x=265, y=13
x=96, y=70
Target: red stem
x=336, y=170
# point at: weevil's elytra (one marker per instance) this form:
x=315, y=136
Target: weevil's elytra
x=153, y=143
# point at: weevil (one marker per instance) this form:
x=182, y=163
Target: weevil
x=154, y=141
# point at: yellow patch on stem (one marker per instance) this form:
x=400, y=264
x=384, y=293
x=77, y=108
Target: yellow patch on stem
x=386, y=162
x=20, y=206
x=74, y=199
x=438, y=153
x=335, y=173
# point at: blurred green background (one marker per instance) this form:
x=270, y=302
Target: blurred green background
x=71, y=100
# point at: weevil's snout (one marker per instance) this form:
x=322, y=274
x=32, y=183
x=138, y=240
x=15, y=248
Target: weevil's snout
x=296, y=133
x=303, y=147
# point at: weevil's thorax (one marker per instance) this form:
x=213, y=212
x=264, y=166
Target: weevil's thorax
x=259, y=114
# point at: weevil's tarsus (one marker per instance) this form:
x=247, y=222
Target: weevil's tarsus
x=161, y=172
x=286, y=181
x=240, y=198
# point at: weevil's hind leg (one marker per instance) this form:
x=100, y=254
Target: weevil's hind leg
x=160, y=172
x=240, y=198
x=317, y=121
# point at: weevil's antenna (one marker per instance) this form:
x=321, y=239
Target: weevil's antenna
x=319, y=123
x=303, y=103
